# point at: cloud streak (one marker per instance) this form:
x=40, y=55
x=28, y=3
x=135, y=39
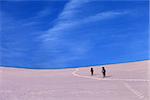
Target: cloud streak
x=57, y=36
x=68, y=19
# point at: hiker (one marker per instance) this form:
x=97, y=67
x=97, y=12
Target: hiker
x=92, y=71
x=103, y=72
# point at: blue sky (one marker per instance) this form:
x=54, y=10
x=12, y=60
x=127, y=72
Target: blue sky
x=71, y=33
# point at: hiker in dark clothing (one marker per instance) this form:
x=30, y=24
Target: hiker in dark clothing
x=104, y=72
x=92, y=71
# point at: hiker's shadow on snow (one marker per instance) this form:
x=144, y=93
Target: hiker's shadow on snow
x=97, y=75
x=108, y=76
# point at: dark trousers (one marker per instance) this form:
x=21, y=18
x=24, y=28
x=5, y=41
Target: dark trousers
x=104, y=74
x=91, y=72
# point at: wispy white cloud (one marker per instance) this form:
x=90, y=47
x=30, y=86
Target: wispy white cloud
x=71, y=9
x=103, y=16
x=66, y=22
